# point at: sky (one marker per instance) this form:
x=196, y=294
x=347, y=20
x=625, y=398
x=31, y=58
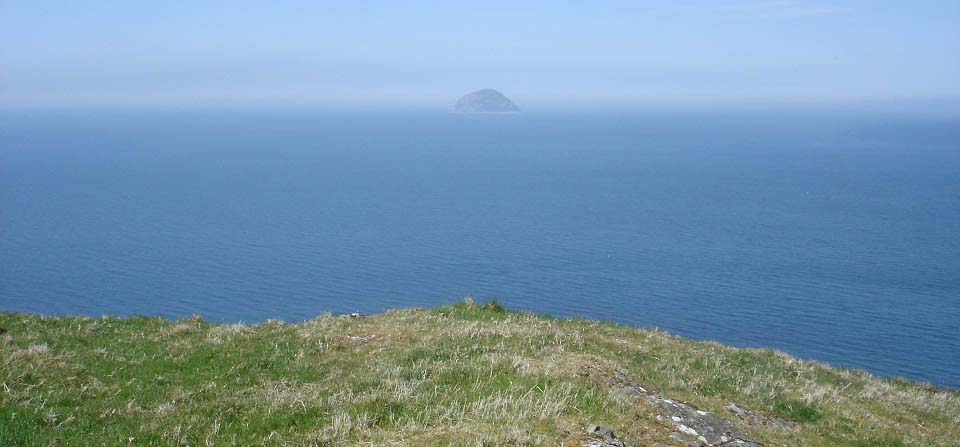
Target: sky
x=423, y=53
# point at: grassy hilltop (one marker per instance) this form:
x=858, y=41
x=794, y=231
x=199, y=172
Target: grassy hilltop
x=465, y=375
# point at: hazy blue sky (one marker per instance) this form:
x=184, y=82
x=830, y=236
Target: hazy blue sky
x=430, y=52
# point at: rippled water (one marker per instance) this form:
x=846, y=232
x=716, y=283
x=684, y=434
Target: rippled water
x=833, y=236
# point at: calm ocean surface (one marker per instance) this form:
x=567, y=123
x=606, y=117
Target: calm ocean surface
x=830, y=235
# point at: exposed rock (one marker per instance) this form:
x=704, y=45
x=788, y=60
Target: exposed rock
x=695, y=428
x=685, y=440
x=603, y=437
x=601, y=432
x=485, y=101
x=604, y=443
x=754, y=418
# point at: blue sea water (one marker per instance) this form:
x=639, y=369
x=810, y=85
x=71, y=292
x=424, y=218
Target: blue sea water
x=833, y=235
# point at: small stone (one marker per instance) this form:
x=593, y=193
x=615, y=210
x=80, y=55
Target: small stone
x=676, y=418
x=733, y=408
x=601, y=431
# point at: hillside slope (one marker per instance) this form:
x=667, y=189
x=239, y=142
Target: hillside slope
x=463, y=374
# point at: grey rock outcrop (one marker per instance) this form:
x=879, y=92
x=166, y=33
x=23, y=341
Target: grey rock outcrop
x=694, y=428
x=602, y=437
x=758, y=419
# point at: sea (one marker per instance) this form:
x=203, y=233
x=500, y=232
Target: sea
x=830, y=233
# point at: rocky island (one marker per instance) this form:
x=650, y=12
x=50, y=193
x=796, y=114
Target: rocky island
x=485, y=101
x=463, y=374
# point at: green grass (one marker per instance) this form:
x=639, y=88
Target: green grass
x=798, y=411
x=464, y=374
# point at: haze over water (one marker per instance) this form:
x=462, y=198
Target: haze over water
x=832, y=235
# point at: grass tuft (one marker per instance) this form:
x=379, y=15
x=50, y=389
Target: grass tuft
x=798, y=411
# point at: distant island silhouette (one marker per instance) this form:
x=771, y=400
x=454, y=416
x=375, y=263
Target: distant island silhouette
x=485, y=101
